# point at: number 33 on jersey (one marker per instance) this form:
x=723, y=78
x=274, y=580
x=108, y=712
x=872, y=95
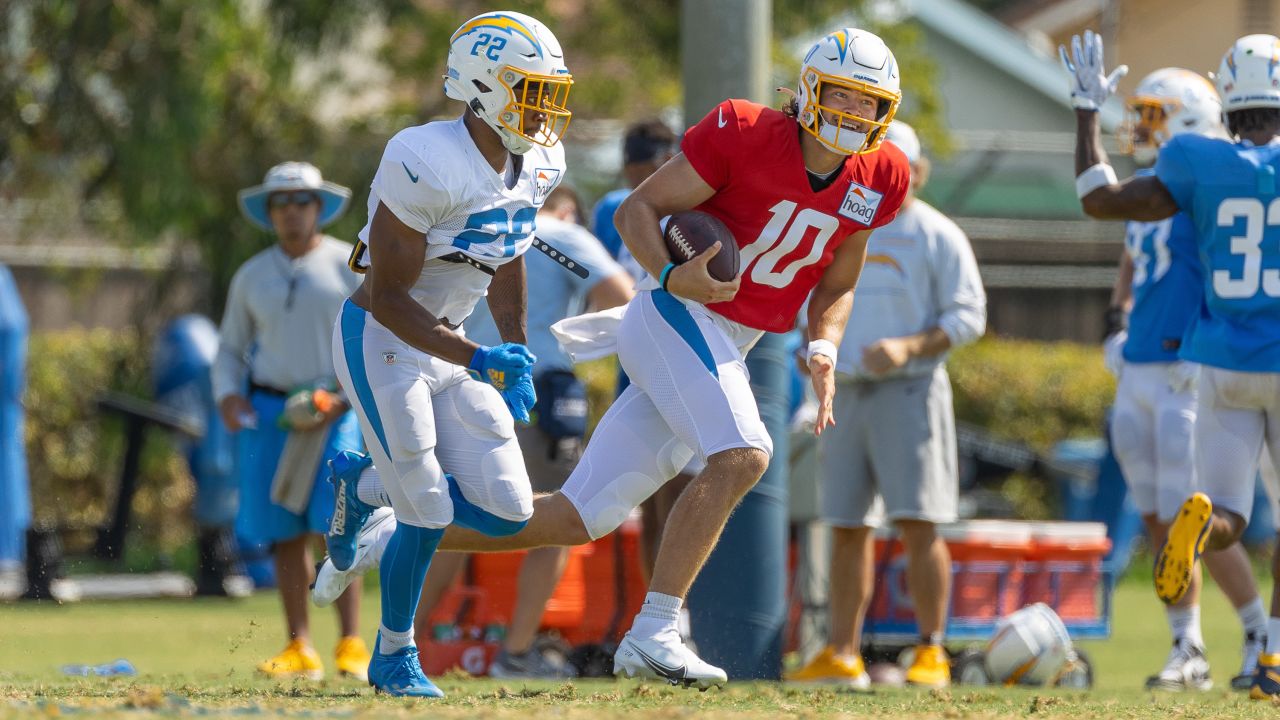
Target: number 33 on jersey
x=787, y=232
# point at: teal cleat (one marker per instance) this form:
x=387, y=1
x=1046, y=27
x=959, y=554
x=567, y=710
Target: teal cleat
x=349, y=511
x=399, y=674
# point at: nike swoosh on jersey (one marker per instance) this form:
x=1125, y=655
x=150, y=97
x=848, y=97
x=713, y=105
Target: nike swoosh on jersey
x=412, y=177
x=720, y=121
x=666, y=671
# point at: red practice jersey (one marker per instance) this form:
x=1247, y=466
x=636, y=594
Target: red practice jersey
x=786, y=232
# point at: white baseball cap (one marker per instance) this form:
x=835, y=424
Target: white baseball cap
x=902, y=135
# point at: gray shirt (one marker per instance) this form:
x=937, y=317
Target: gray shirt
x=277, y=328
x=920, y=273
x=554, y=292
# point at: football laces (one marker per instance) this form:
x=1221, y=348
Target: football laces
x=681, y=242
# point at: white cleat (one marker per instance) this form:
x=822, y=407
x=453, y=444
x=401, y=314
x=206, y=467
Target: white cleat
x=665, y=657
x=374, y=536
x=1186, y=669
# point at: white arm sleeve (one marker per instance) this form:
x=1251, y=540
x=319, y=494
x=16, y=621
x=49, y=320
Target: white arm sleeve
x=230, y=369
x=961, y=298
x=410, y=188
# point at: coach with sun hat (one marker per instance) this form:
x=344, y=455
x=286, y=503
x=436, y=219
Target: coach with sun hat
x=274, y=383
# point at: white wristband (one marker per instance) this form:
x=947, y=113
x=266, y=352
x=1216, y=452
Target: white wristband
x=1094, y=178
x=821, y=347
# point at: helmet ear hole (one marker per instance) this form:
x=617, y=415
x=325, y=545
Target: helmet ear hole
x=481, y=86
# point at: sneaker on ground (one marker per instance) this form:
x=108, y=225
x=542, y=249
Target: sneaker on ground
x=830, y=669
x=930, y=668
x=351, y=657
x=530, y=665
x=665, y=657
x=1254, y=645
x=297, y=660
x=1186, y=669
x=400, y=674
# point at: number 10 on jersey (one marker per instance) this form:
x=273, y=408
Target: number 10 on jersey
x=769, y=250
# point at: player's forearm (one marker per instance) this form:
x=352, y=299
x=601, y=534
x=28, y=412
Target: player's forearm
x=398, y=312
x=828, y=314
x=637, y=223
x=507, y=302
x=930, y=343
x=1089, y=150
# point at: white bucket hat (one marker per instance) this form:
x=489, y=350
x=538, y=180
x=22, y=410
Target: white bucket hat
x=289, y=176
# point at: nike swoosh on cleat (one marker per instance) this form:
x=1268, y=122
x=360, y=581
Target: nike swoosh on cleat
x=666, y=671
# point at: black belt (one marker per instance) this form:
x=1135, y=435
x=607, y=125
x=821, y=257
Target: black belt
x=266, y=390
x=457, y=257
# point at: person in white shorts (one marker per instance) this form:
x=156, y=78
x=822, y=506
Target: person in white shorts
x=1158, y=289
x=451, y=212
x=892, y=453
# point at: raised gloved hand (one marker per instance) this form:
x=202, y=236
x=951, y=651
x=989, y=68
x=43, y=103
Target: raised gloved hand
x=520, y=398
x=1090, y=83
x=501, y=366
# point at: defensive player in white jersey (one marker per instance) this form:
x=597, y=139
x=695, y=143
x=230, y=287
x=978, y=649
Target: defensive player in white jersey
x=451, y=211
x=1227, y=187
x=1158, y=288
x=801, y=190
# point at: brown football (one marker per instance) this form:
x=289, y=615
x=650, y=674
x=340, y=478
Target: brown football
x=692, y=231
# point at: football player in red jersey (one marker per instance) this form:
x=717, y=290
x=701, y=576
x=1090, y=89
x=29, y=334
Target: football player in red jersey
x=800, y=189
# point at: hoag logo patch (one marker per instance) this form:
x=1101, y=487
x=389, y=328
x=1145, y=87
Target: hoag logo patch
x=543, y=180
x=860, y=204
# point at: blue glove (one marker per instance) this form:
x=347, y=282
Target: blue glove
x=520, y=398
x=501, y=365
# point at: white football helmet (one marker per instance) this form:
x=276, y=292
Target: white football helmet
x=504, y=66
x=1168, y=102
x=859, y=61
x=1249, y=76
x=1031, y=647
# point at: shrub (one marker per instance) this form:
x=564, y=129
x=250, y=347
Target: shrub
x=75, y=451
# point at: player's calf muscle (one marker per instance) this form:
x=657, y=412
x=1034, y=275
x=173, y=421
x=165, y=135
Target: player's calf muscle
x=555, y=522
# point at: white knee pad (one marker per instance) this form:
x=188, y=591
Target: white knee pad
x=419, y=495
x=1174, y=440
x=1126, y=435
x=502, y=486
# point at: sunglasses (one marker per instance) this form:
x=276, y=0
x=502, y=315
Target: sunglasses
x=298, y=197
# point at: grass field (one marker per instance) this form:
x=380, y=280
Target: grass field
x=196, y=658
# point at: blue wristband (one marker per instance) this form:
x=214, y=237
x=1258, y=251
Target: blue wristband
x=666, y=273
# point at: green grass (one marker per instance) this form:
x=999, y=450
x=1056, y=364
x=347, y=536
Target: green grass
x=196, y=657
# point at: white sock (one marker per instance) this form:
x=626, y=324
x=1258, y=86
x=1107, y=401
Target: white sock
x=1273, y=635
x=370, y=489
x=1184, y=623
x=1253, y=617
x=390, y=641
x=659, y=612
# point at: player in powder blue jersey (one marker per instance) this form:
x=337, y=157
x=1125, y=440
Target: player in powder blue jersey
x=1227, y=187
x=1159, y=287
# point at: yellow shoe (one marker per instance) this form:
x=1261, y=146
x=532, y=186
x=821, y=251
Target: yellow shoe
x=931, y=667
x=827, y=667
x=1177, y=559
x=297, y=660
x=352, y=657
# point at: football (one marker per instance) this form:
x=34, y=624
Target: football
x=690, y=232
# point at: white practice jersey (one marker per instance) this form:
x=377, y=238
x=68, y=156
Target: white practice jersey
x=435, y=180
